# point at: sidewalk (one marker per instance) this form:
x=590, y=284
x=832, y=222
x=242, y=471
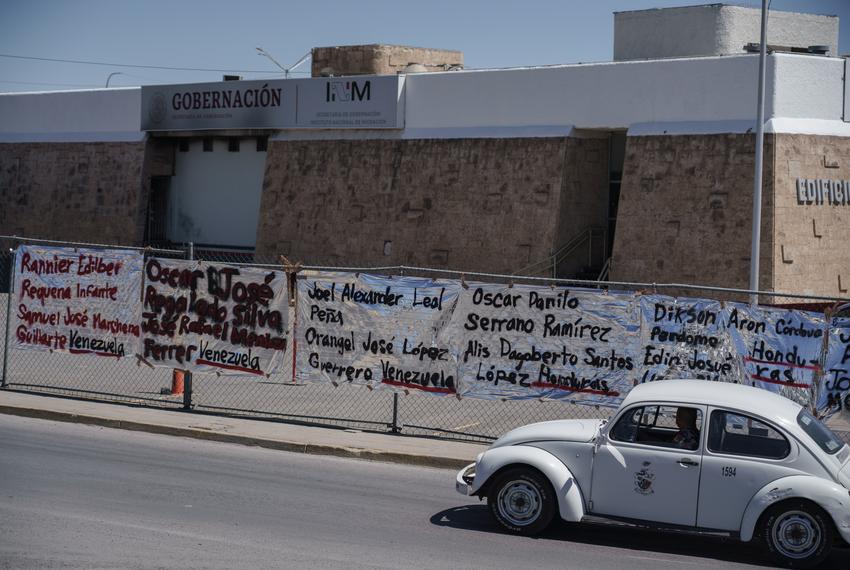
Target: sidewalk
x=274, y=435
x=270, y=434
x=839, y=422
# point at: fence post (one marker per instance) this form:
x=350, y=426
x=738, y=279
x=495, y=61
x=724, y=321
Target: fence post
x=187, y=390
x=3, y=381
x=394, y=427
x=187, y=375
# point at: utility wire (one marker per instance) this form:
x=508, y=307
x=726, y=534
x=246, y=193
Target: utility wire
x=82, y=62
x=53, y=84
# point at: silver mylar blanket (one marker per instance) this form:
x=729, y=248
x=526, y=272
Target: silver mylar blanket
x=686, y=338
x=781, y=349
x=533, y=342
x=214, y=317
x=774, y=349
x=375, y=331
x=478, y=340
x=835, y=385
x=75, y=300
x=494, y=341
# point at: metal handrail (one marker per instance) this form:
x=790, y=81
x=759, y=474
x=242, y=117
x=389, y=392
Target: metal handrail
x=603, y=275
x=549, y=264
x=84, y=244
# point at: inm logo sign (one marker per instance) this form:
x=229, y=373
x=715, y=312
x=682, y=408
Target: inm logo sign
x=348, y=91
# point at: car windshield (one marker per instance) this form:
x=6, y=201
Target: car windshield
x=822, y=435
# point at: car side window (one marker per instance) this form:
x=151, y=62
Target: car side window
x=661, y=426
x=739, y=434
x=626, y=427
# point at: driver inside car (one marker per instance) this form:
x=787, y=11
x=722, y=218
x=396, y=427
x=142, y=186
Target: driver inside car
x=688, y=435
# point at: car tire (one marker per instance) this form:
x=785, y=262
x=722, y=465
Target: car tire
x=522, y=501
x=797, y=534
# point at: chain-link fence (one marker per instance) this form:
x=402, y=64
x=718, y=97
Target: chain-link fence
x=119, y=380
x=132, y=381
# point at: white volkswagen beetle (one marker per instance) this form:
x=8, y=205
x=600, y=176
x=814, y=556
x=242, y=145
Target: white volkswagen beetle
x=679, y=454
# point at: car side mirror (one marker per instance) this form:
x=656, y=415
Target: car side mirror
x=599, y=440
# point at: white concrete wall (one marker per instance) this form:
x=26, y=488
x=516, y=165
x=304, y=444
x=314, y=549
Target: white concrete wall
x=809, y=96
x=596, y=96
x=706, y=94
x=703, y=95
x=214, y=197
x=809, y=87
x=71, y=116
x=714, y=29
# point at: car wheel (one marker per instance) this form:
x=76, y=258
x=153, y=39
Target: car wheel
x=522, y=501
x=797, y=534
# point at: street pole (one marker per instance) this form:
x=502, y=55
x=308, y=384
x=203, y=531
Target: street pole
x=12, y=266
x=111, y=75
x=286, y=70
x=755, y=248
x=261, y=51
x=187, y=375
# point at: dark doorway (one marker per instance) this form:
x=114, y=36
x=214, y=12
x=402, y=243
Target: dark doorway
x=156, y=230
x=616, y=158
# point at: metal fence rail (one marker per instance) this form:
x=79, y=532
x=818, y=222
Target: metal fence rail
x=130, y=381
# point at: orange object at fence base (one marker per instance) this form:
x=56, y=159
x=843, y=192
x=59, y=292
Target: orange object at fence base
x=176, y=382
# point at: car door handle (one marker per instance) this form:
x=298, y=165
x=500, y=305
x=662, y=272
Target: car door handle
x=687, y=462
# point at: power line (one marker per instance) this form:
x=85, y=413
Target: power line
x=103, y=63
x=54, y=84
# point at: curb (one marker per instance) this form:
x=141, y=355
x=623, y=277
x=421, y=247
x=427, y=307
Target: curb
x=280, y=445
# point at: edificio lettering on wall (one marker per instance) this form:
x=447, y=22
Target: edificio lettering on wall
x=821, y=192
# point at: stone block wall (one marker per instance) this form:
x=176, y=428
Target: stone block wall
x=493, y=205
x=812, y=251
x=380, y=59
x=685, y=211
x=74, y=191
x=490, y=205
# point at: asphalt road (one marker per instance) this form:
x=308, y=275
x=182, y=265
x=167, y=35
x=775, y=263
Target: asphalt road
x=74, y=496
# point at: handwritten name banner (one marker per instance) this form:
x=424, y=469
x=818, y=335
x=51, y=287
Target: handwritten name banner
x=781, y=349
x=211, y=317
x=375, y=331
x=79, y=301
x=686, y=338
x=835, y=384
x=476, y=340
x=530, y=342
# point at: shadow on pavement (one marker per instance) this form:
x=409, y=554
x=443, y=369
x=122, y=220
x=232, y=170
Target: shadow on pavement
x=477, y=518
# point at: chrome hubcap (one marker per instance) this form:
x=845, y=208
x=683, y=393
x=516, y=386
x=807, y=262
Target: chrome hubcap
x=519, y=502
x=796, y=534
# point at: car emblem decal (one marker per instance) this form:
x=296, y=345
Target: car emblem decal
x=644, y=479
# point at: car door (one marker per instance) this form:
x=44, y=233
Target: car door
x=641, y=472
x=742, y=455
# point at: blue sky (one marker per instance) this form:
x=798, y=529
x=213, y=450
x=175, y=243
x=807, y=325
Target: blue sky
x=223, y=34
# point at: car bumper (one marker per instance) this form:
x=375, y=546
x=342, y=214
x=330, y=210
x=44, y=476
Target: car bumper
x=464, y=479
